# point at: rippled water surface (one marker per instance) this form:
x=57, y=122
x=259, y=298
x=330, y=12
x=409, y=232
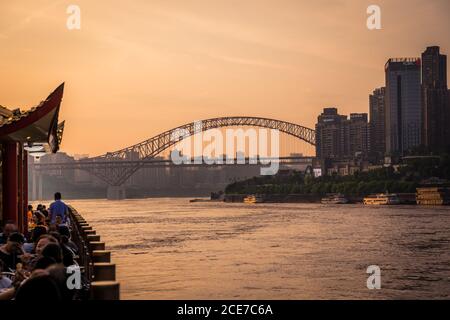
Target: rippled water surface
x=172, y=249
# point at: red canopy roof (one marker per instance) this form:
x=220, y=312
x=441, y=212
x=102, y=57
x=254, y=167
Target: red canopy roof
x=37, y=125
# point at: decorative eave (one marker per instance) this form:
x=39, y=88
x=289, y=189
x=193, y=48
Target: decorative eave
x=60, y=131
x=37, y=125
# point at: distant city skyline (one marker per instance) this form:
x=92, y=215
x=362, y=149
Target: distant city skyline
x=137, y=69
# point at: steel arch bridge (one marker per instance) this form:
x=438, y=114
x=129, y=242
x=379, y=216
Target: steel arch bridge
x=148, y=149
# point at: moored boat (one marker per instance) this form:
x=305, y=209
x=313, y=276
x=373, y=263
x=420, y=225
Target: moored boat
x=334, y=198
x=382, y=199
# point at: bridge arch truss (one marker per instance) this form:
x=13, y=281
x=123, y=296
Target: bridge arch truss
x=150, y=148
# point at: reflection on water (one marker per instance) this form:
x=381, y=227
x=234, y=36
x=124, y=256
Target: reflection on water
x=172, y=249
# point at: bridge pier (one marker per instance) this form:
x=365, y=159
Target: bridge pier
x=116, y=193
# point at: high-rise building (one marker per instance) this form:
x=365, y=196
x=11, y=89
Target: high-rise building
x=330, y=135
x=338, y=137
x=403, y=105
x=377, y=142
x=358, y=138
x=435, y=109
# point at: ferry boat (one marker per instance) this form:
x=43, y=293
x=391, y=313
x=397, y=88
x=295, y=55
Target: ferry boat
x=253, y=199
x=335, y=198
x=382, y=199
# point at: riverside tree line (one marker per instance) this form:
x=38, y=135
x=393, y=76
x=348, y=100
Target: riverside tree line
x=405, y=179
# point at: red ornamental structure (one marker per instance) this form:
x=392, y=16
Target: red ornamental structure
x=21, y=131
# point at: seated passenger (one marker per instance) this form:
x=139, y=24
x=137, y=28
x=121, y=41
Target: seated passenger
x=9, y=228
x=11, y=251
x=37, y=232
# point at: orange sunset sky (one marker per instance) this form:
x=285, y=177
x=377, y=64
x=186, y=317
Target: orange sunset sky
x=139, y=67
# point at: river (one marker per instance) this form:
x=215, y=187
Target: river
x=168, y=248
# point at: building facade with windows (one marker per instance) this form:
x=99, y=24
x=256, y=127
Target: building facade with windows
x=358, y=135
x=435, y=107
x=331, y=133
x=403, y=105
x=339, y=137
x=377, y=138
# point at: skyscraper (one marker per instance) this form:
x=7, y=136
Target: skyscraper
x=403, y=105
x=435, y=109
x=358, y=138
x=330, y=135
x=377, y=143
x=338, y=137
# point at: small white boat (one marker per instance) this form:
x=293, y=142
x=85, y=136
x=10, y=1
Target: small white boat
x=335, y=198
x=382, y=199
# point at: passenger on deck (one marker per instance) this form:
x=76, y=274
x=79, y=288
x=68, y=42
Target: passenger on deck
x=67, y=252
x=58, y=209
x=36, y=234
x=39, y=207
x=64, y=231
x=44, y=211
x=44, y=240
x=10, y=252
x=8, y=229
x=38, y=219
x=30, y=213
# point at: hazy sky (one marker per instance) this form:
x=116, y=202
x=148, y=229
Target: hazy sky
x=139, y=67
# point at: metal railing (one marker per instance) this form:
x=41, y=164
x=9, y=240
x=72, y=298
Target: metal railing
x=94, y=261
